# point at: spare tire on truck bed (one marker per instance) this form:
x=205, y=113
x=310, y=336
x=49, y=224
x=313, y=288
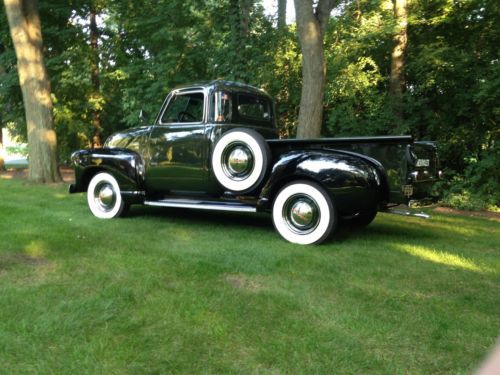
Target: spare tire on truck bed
x=240, y=160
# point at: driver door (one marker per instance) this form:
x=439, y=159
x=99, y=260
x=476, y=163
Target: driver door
x=178, y=145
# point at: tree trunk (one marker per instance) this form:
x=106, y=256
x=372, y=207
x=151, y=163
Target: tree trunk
x=2, y=161
x=281, y=13
x=311, y=25
x=397, y=79
x=240, y=31
x=94, y=73
x=245, y=10
x=26, y=33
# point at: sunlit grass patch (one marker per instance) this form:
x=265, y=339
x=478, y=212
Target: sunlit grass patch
x=444, y=258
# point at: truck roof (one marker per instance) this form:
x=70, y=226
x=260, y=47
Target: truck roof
x=231, y=86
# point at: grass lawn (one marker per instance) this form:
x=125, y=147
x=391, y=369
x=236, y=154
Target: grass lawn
x=172, y=291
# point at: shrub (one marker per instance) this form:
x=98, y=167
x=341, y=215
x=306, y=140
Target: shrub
x=478, y=188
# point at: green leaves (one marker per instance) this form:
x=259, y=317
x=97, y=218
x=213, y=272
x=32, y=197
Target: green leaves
x=452, y=67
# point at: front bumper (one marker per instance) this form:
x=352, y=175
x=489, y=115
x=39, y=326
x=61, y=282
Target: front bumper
x=73, y=189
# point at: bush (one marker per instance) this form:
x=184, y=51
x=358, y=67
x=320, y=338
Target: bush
x=478, y=188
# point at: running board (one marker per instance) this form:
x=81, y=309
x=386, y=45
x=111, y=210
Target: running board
x=203, y=205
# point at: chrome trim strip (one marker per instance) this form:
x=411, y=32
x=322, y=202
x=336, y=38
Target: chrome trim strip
x=133, y=192
x=200, y=205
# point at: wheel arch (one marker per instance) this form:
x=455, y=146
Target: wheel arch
x=126, y=166
x=351, y=182
x=273, y=189
x=87, y=176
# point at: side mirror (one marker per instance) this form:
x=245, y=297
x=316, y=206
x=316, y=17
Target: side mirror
x=143, y=116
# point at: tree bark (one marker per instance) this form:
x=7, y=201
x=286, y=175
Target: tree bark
x=245, y=9
x=26, y=33
x=2, y=161
x=240, y=30
x=397, y=78
x=96, y=86
x=281, y=14
x=311, y=26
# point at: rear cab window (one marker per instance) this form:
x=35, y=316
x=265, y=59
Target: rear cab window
x=254, y=109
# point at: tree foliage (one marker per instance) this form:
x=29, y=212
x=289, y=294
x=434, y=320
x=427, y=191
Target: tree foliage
x=451, y=71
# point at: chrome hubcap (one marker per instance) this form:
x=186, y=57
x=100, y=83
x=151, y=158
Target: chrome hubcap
x=301, y=213
x=237, y=161
x=104, y=196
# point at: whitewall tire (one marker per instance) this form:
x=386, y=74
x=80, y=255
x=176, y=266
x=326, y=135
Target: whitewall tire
x=303, y=213
x=104, y=198
x=240, y=160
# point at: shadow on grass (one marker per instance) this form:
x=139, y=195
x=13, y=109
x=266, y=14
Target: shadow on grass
x=202, y=216
x=384, y=227
x=236, y=220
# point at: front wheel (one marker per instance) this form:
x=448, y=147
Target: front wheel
x=104, y=198
x=303, y=213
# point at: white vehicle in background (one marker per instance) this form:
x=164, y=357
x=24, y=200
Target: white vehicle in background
x=14, y=153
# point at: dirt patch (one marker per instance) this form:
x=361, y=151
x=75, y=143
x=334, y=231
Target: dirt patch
x=244, y=282
x=484, y=214
x=10, y=260
x=32, y=269
x=495, y=216
x=67, y=174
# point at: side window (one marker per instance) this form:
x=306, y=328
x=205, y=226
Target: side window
x=184, y=108
x=223, y=106
x=254, y=108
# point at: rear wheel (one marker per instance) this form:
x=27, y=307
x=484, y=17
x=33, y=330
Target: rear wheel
x=104, y=198
x=304, y=213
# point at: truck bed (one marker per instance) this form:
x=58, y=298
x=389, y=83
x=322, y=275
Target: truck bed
x=390, y=151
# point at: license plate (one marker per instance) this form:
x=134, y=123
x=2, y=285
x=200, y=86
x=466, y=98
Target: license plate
x=423, y=162
x=407, y=190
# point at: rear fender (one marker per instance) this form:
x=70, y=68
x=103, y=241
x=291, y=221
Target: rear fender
x=125, y=165
x=353, y=183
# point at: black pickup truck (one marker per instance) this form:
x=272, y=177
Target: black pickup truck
x=214, y=146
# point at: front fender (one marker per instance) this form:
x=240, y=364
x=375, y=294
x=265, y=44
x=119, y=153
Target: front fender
x=125, y=165
x=353, y=183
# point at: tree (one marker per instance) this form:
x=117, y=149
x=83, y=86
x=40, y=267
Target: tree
x=397, y=79
x=240, y=31
x=2, y=161
x=94, y=74
x=26, y=33
x=281, y=13
x=311, y=25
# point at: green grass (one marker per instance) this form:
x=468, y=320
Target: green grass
x=172, y=291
